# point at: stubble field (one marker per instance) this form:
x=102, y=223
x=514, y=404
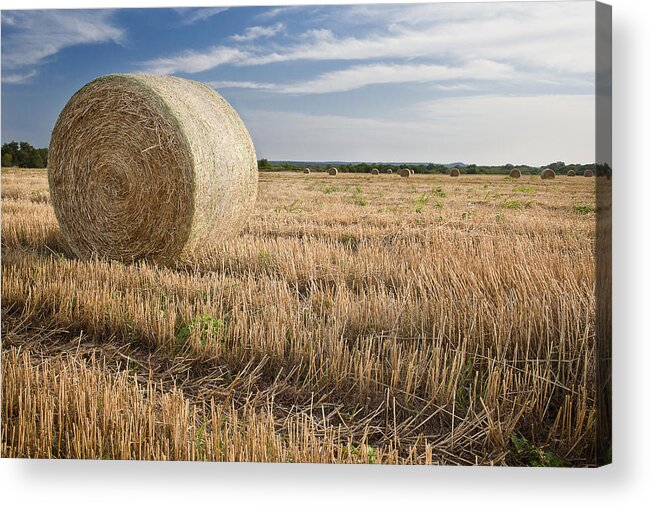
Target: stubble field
x=356, y=319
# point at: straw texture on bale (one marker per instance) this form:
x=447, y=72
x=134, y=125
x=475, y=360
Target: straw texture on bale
x=515, y=173
x=588, y=174
x=333, y=171
x=454, y=172
x=404, y=173
x=306, y=170
x=147, y=167
x=375, y=171
x=571, y=173
x=548, y=174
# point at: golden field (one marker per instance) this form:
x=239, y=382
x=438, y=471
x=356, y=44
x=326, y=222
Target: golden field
x=356, y=319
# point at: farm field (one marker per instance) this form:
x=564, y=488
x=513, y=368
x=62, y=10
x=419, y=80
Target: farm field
x=356, y=319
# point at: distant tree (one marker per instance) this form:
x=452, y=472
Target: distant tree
x=7, y=159
x=264, y=164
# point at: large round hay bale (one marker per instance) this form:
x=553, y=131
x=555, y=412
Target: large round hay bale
x=454, y=172
x=548, y=174
x=333, y=171
x=147, y=167
x=389, y=171
x=306, y=170
x=404, y=173
x=515, y=173
x=571, y=173
x=588, y=173
x=375, y=172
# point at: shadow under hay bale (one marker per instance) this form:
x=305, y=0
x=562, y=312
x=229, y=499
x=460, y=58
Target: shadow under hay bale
x=147, y=167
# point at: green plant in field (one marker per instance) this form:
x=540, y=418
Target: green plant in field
x=465, y=215
x=290, y=208
x=205, y=325
x=513, y=204
x=438, y=192
x=364, y=451
x=350, y=241
x=357, y=190
x=524, y=190
x=360, y=201
x=583, y=209
x=533, y=455
x=266, y=259
x=499, y=217
x=329, y=190
x=421, y=202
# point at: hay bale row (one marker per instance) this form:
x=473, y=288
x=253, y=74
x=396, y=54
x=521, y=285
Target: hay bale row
x=147, y=167
x=548, y=174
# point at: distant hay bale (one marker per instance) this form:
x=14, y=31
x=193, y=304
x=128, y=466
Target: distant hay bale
x=404, y=173
x=515, y=173
x=548, y=174
x=571, y=173
x=375, y=171
x=454, y=172
x=306, y=170
x=333, y=171
x=389, y=171
x=412, y=171
x=147, y=167
x=588, y=174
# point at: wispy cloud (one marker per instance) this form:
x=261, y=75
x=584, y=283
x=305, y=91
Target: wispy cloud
x=30, y=37
x=191, y=15
x=256, y=32
x=359, y=76
x=16, y=78
x=192, y=61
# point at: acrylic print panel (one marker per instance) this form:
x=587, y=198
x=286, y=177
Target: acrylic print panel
x=423, y=277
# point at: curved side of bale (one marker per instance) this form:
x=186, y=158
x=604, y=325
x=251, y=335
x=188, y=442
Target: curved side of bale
x=548, y=174
x=515, y=173
x=404, y=173
x=454, y=172
x=588, y=173
x=375, y=172
x=389, y=171
x=412, y=172
x=571, y=173
x=147, y=167
x=306, y=170
x=333, y=171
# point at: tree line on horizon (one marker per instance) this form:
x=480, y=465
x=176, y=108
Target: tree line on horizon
x=23, y=154
x=558, y=167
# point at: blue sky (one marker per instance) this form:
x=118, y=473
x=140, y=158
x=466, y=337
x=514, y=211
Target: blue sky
x=484, y=83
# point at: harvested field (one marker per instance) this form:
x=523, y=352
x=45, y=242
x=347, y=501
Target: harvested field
x=426, y=320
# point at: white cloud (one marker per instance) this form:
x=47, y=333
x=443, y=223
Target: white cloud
x=486, y=130
x=191, y=15
x=555, y=37
x=256, y=32
x=16, y=78
x=192, y=61
x=217, y=85
x=39, y=34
